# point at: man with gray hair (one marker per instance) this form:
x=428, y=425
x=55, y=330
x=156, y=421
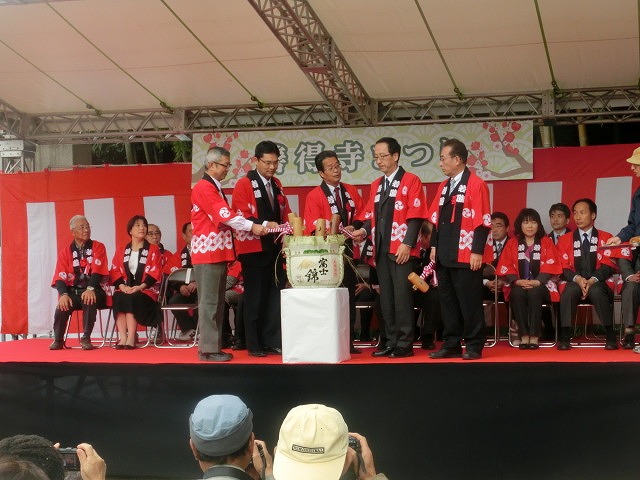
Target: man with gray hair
x=80, y=269
x=222, y=440
x=212, y=249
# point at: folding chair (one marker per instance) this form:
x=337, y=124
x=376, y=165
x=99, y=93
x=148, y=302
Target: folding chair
x=76, y=316
x=180, y=276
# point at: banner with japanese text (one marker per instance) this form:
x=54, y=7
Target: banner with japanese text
x=497, y=151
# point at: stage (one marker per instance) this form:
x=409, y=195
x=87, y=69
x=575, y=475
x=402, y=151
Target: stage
x=513, y=414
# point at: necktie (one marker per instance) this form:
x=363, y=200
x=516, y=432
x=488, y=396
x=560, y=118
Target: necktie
x=338, y=199
x=498, y=249
x=386, y=186
x=452, y=185
x=586, y=254
x=270, y=193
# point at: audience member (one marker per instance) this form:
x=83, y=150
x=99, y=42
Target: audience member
x=80, y=269
x=186, y=293
x=45, y=455
x=460, y=249
x=222, y=439
x=234, y=299
x=428, y=302
x=212, y=249
x=395, y=211
x=332, y=197
x=585, y=271
x=528, y=263
x=136, y=272
x=558, y=218
x=169, y=261
x=629, y=265
x=260, y=198
x=314, y=444
x=20, y=470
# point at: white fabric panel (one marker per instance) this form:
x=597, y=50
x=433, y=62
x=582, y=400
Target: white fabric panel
x=541, y=195
x=161, y=210
x=613, y=197
x=101, y=215
x=43, y=252
x=294, y=203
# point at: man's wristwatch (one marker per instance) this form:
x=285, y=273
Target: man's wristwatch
x=91, y=289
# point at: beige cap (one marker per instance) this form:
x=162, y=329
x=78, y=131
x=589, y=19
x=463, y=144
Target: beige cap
x=635, y=158
x=312, y=445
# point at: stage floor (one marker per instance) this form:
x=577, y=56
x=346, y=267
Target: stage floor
x=532, y=415
x=36, y=350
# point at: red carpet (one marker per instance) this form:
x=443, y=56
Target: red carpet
x=37, y=351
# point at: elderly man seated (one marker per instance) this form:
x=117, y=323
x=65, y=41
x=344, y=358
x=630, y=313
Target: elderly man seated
x=80, y=268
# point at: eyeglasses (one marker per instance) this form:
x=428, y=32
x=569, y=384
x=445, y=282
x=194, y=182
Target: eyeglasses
x=270, y=164
x=333, y=168
x=382, y=156
x=82, y=227
x=224, y=165
x=155, y=233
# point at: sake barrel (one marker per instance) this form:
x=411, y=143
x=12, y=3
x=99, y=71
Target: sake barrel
x=314, y=262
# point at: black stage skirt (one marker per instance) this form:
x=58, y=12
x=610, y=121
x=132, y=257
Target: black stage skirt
x=145, y=310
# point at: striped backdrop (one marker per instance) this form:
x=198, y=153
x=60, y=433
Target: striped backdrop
x=36, y=208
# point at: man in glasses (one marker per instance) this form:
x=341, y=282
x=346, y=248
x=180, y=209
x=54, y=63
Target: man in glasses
x=169, y=260
x=393, y=216
x=461, y=214
x=260, y=198
x=80, y=269
x=212, y=249
x=332, y=197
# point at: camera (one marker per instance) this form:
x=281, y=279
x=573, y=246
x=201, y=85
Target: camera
x=70, y=459
x=355, y=444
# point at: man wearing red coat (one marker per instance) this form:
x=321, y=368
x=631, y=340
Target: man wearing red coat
x=461, y=214
x=332, y=197
x=259, y=197
x=585, y=270
x=392, y=216
x=212, y=249
x=80, y=269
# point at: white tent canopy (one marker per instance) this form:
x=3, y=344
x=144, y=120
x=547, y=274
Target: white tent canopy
x=103, y=58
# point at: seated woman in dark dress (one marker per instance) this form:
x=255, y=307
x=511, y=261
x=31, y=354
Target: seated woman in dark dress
x=528, y=263
x=136, y=272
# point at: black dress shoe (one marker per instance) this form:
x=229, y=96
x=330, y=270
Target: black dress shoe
x=272, y=350
x=381, y=346
x=629, y=341
x=239, y=346
x=119, y=347
x=129, y=347
x=428, y=346
x=524, y=346
x=215, y=357
x=257, y=353
x=383, y=353
x=471, y=355
x=354, y=351
x=611, y=345
x=534, y=346
x=446, y=353
x=399, y=352
x=564, y=345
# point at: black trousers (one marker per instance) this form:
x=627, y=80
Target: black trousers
x=60, y=318
x=527, y=308
x=186, y=321
x=396, y=301
x=600, y=295
x=460, y=292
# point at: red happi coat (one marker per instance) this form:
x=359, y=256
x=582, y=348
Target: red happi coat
x=409, y=203
x=509, y=263
x=567, y=246
x=96, y=262
x=153, y=268
x=212, y=240
x=476, y=212
x=244, y=203
x=169, y=262
x=317, y=206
